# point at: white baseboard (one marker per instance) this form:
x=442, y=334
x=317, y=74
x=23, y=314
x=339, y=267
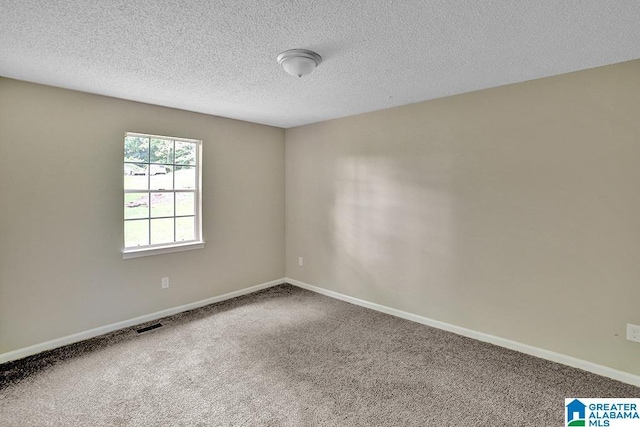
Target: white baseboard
x=80, y=336
x=605, y=371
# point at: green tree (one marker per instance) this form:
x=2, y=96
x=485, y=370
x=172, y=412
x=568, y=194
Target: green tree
x=136, y=149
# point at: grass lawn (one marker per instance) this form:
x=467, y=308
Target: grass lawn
x=147, y=208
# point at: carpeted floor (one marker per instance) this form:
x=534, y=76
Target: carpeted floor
x=289, y=357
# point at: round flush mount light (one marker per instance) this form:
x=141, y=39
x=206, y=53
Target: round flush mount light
x=299, y=62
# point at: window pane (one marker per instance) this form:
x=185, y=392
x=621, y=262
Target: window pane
x=161, y=177
x=185, y=153
x=136, y=149
x=136, y=233
x=161, y=204
x=135, y=176
x=185, y=204
x=185, y=229
x=136, y=205
x=185, y=177
x=161, y=151
x=161, y=230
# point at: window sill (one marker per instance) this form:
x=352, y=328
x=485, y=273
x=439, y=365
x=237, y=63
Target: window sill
x=137, y=253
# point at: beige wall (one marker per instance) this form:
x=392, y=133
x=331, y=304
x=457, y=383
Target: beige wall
x=513, y=211
x=61, y=231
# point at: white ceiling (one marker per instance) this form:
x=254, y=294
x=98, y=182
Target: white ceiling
x=219, y=56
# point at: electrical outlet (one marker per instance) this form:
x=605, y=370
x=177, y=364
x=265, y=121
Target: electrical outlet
x=165, y=282
x=300, y=261
x=633, y=332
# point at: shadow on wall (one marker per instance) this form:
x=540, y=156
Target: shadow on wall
x=392, y=224
x=493, y=226
x=454, y=233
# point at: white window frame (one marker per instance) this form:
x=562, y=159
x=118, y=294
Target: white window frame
x=163, y=248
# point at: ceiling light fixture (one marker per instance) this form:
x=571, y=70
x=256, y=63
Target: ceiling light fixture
x=299, y=62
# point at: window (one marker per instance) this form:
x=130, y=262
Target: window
x=162, y=194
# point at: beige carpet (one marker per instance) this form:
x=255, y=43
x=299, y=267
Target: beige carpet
x=289, y=357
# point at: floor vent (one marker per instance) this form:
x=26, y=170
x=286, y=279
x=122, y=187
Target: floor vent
x=149, y=328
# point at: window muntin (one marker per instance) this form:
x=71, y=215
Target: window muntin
x=162, y=194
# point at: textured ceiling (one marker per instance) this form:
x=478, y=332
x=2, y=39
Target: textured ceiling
x=219, y=56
